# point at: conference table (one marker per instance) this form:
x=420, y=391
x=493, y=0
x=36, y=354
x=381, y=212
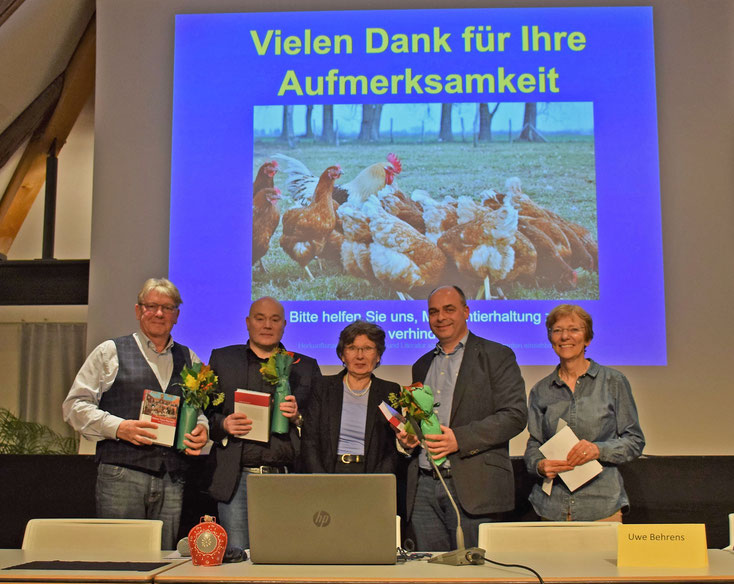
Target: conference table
x=573, y=567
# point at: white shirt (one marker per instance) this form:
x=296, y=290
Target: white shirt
x=81, y=406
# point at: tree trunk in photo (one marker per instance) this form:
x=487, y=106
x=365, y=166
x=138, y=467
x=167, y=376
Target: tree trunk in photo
x=328, y=135
x=368, y=114
x=370, y=129
x=529, y=131
x=485, y=121
x=445, y=134
x=287, y=135
x=309, y=126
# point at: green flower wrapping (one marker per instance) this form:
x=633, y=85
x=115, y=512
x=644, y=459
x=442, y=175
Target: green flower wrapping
x=416, y=401
x=276, y=371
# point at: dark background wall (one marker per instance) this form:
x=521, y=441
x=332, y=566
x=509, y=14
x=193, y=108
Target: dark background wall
x=662, y=489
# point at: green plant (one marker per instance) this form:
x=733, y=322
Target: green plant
x=20, y=437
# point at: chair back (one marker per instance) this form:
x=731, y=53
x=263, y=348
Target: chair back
x=94, y=536
x=730, y=547
x=552, y=536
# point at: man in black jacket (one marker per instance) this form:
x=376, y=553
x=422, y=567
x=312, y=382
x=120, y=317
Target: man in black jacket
x=482, y=405
x=238, y=367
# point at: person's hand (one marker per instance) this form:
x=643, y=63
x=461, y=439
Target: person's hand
x=196, y=440
x=407, y=441
x=550, y=468
x=289, y=407
x=134, y=431
x=442, y=444
x=237, y=424
x=582, y=452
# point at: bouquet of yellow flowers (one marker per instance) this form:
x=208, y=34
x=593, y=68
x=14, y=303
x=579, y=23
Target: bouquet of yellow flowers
x=276, y=371
x=199, y=386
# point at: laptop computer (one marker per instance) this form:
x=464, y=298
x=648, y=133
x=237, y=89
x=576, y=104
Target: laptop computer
x=321, y=518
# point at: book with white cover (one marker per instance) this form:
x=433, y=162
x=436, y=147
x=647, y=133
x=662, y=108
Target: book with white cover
x=162, y=409
x=256, y=406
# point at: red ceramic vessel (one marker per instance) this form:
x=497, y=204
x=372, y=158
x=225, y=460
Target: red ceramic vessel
x=208, y=542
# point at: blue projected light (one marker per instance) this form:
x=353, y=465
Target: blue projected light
x=577, y=211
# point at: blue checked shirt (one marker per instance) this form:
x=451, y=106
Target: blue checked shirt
x=600, y=410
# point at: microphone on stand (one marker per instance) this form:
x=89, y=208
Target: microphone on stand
x=461, y=556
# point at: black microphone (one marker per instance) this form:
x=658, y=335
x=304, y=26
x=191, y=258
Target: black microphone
x=461, y=556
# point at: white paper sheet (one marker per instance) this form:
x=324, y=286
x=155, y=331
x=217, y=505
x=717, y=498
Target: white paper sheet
x=557, y=448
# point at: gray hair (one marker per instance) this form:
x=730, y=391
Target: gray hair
x=161, y=285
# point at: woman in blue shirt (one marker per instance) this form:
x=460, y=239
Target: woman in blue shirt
x=343, y=429
x=597, y=403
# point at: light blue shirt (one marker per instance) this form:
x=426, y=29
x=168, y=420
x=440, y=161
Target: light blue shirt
x=600, y=410
x=441, y=378
x=353, y=423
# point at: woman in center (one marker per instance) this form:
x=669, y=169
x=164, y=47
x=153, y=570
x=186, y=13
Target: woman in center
x=344, y=430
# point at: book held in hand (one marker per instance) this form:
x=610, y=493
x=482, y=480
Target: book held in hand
x=162, y=409
x=394, y=418
x=256, y=406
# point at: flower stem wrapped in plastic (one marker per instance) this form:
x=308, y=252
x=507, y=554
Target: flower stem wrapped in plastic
x=276, y=371
x=416, y=401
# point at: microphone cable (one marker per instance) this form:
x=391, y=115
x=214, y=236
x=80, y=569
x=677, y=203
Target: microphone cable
x=528, y=568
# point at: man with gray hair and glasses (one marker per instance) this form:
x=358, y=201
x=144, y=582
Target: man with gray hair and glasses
x=136, y=479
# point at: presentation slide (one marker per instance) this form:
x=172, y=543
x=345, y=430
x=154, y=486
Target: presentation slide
x=347, y=163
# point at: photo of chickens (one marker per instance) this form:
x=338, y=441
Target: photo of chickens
x=396, y=217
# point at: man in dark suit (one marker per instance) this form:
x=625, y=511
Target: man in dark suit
x=482, y=405
x=238, y=367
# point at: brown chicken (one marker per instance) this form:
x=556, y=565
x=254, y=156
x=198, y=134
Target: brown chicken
x=264, y=176
x=552, y=269
x=583, y=250
x=305, y=229
x=401, y=257
x=265, y=219
x=438, y=216
x=395, y=202
x=481, y=245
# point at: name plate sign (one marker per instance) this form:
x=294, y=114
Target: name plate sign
x=675, y=545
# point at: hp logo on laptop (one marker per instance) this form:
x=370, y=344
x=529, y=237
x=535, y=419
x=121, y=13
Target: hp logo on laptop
x=321, y=518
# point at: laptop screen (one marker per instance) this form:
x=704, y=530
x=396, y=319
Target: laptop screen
x=322, y=518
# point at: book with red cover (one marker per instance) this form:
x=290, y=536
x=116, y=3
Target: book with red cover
x=162, y=409
x=256, y=406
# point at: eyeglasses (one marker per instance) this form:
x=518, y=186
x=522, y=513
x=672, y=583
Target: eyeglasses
x=154, y=308
x=367, y=351
x=571, y=331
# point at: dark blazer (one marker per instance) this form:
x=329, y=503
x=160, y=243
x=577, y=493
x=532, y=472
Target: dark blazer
x=488, y=408
x=322, y=424
x=230, y=365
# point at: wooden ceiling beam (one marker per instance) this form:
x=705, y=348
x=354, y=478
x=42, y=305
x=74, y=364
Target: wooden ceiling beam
x=30, y=174
x=33, y=116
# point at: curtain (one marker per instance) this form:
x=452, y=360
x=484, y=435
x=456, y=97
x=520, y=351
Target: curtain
x=50, y=356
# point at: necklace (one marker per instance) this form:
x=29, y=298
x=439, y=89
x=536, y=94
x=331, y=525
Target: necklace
x=359, y=392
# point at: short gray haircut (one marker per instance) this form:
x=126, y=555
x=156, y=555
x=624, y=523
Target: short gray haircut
x=162, y=285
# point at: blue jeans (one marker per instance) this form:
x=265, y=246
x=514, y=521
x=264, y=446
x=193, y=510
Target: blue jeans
x=124, y=493
x=434, y=520
x=233, y=515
